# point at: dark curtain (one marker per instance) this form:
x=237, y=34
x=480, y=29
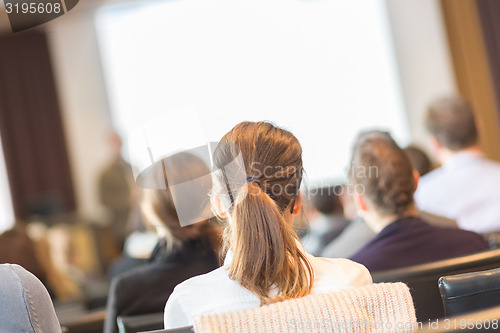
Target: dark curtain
x=489, y=12
x=31, y=128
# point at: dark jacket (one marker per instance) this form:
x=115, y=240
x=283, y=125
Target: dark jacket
x=412, y=241
x=146, y=289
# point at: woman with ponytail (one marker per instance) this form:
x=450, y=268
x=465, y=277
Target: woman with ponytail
x=256, y=188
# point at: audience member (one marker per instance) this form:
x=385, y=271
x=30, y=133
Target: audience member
x=358, y=233
x=465, y=188
x=16, y=247
x=181, y=253
x=418, y=159
x=384, y=183
x=53, y=251
x=25, y=303
x=327, y=218
x=265, y=262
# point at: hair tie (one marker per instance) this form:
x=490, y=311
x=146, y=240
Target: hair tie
x=254, y=180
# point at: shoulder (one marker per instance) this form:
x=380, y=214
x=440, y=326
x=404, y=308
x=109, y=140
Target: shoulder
x=430, y=178
x=449, y=235
x=195, y=287
x=491, y=166
x=200, y=284
x=137, y=274
x=152, y=276
x=208, y=293
x=345, y=272
x=464, y=234
x=427, y=186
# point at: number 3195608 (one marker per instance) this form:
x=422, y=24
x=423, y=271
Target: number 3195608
x=33, y=8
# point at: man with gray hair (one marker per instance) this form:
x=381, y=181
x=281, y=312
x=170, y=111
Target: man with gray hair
x=466, y=186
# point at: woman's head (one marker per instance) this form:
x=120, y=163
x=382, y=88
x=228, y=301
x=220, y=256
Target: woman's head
x=271, y=155
x=261, y=193
x=382, y=174
x=176, y=197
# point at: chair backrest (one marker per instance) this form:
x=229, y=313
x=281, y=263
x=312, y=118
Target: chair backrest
x=469, y=292
x=86, y=322
x=383, y=306
x=423, y=279
x=134, y=324
x=25, y=304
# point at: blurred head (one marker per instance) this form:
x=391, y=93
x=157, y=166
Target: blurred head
x=326, y=200
x=382, y=177
x=162, y=202
x=418, y=159
x=452, y=123
x=265, y=247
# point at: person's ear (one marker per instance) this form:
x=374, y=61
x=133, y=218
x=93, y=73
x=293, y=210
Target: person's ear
x=360, y=202
x=435, y=144
x=479, y=126
x=219, y=208
x=297, y=206
x=416, y=178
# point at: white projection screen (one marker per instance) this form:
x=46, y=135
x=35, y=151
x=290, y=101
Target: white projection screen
x=323, y=69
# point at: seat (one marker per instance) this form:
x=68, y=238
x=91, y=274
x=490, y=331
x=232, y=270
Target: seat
x=25, y=304
x=134, y=324
x=379, y=307
x=87, y=322
x=423, y=279
x=463, y=293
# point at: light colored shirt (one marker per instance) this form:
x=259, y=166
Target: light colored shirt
x=215, y=292
x=467, y=189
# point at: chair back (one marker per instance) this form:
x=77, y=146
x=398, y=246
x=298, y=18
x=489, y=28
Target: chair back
x=84, y=322
x=379, y=307
x=25, y=304
x=423, y=279
x=468, y=292
x=134, y=324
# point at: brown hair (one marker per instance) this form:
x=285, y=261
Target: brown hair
x=381, y=171
x=265, y=250
x=326, y=199
x=157, y=202
x=451, y=121
x=418, y=159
